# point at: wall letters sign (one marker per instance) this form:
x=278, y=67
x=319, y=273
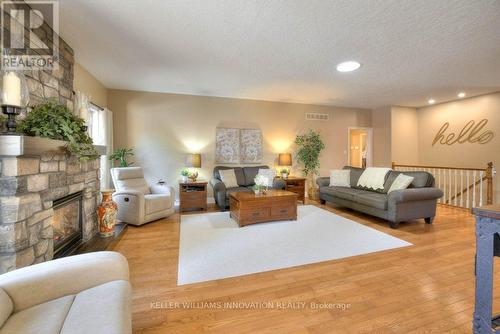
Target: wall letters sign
x=471, y=133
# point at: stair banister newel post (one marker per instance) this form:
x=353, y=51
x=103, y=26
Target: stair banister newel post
x=489, y=183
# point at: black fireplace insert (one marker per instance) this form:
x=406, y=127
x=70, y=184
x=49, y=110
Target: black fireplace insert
x=67, y=224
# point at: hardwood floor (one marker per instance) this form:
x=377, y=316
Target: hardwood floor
x=425, y=288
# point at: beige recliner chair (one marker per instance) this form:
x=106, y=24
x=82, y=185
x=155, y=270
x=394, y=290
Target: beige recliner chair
x=139, y=203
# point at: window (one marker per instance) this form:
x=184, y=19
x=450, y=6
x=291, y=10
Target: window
x=100, y=128
x=96, y=125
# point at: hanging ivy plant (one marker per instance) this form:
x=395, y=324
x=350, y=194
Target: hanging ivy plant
x=55, y=121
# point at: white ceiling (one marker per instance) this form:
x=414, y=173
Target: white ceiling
x=287, y=50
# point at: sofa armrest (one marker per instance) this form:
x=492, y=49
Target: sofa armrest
x=414, y=194
x=323, y=181
x=162, y=189
x=219, y=190
x=217, y=185
x=129, y=192
x=278, y=183
x=50, y=280
x=131, y=206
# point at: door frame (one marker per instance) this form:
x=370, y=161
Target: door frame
x=369, y=144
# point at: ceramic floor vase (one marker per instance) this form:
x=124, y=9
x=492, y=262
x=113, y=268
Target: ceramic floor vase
x=106, y=213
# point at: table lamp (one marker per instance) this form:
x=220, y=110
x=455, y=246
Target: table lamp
x=194, y=161
x=285, y=159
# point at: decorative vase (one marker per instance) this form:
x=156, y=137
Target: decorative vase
x=184, y=179
x=193, y=176
x=106, y=214
x=256, y=191
x=284, y=176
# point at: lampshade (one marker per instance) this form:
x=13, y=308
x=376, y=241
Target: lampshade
x=193, y=160
x=285, y=159
x=14, y=89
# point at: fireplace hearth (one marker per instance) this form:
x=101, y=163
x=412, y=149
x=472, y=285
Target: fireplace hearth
x=67, y=224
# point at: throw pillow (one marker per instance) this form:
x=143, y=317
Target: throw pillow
x=401, y=182
x=228, y=177
x=268, y=173
x=340, y=178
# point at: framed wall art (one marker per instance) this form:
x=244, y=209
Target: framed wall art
x=227, y=145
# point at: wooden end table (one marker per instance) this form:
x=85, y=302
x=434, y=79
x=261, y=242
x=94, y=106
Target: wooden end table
x=296, y=185
x=248, y=208
x=193, y=196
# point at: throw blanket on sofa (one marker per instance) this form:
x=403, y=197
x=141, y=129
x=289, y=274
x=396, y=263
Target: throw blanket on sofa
x=373, y=177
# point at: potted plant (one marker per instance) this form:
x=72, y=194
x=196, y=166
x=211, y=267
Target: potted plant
x=120, y=155
x=3, y=123
x=284, y=173
x=184, y=174
x=309, y=147
x=260, y=186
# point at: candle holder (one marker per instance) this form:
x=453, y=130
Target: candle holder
x=15, y=96
x=11, y=112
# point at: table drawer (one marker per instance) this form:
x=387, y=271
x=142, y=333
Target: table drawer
x=193, y=195
x=282, y=211
x=259, y=214
x=297, y=190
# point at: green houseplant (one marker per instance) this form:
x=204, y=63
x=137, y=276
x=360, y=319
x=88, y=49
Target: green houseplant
x=55, y=121
x=120, y=155
x=3, y=122
x=309, y=147
x=185, y=174
x=284, y=172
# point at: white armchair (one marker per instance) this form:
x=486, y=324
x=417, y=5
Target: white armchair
x=81, y=294
x=139, y=203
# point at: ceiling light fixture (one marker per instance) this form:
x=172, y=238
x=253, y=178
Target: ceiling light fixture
x=461, y=95
x=431, y=101
x=348, y=66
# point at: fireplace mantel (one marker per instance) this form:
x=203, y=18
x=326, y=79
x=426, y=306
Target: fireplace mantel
x=14, y=145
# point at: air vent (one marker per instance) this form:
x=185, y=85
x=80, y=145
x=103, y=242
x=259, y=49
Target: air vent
x=311, y=116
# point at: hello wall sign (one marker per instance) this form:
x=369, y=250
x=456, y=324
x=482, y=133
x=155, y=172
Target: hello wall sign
x=472, y=132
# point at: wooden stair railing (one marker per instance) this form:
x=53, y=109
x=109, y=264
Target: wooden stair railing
x=462, y=187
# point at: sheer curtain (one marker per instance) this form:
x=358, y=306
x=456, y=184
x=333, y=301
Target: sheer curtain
x=100, y=127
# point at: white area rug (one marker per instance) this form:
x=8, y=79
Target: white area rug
x=212, y=246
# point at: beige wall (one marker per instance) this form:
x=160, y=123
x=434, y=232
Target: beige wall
x=458, y=113
x=381, y=123
x=404, y=134
x=86, y=83
x=162, y=128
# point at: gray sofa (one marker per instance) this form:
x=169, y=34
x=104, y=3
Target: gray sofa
x=417, y=201
x=244, y=177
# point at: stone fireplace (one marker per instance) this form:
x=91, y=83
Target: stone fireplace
x=36, y=177
x=35, y=173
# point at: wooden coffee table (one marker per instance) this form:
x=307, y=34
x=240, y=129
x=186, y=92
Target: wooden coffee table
x=248, y=208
